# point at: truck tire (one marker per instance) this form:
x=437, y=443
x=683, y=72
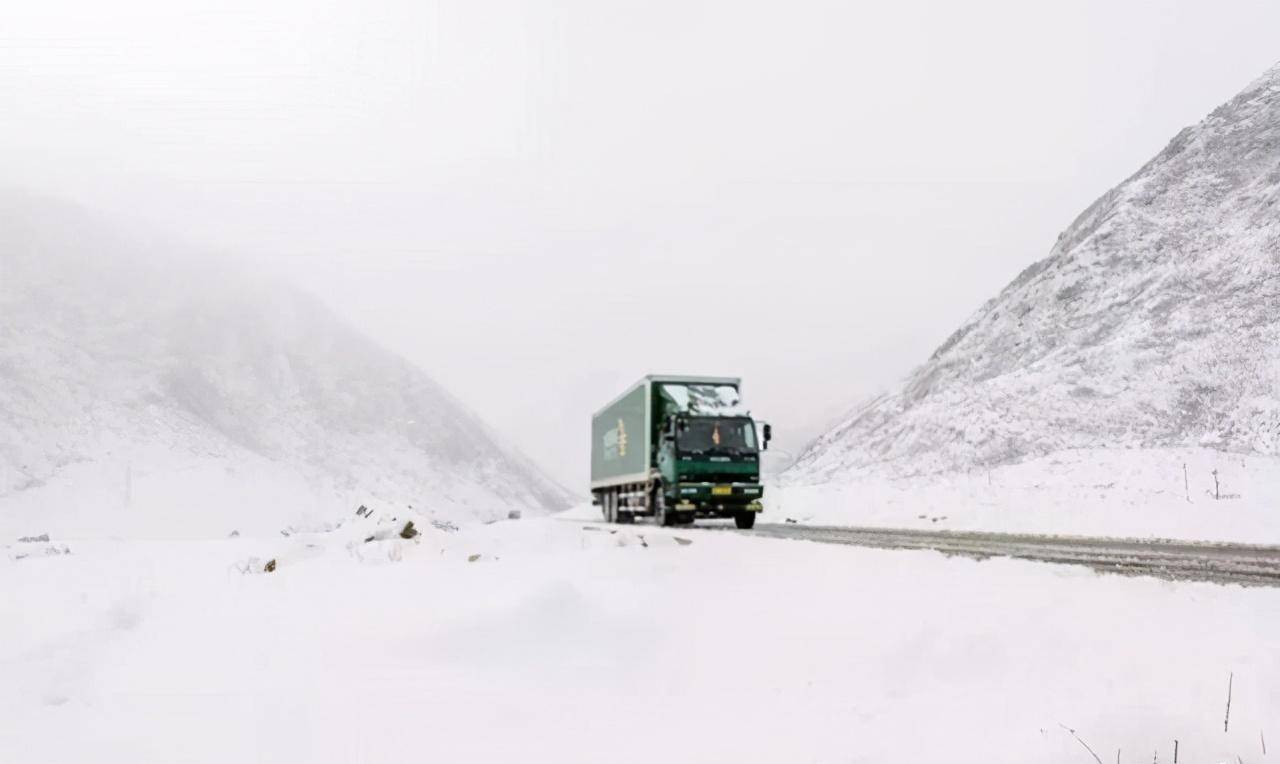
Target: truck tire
x=661, y=516
x=626, y=518
x=745, y=520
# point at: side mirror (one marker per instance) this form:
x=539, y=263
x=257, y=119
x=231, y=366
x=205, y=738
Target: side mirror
x=767, y=431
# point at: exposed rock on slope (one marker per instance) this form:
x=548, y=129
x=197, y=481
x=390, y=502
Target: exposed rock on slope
x=134, y=373
x=1154, y=321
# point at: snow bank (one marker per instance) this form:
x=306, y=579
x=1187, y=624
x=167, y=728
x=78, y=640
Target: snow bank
x=1141, y=493
x=544, y=640
x=167, y=494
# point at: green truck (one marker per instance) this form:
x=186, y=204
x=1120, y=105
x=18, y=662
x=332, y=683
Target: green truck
x=677, y=448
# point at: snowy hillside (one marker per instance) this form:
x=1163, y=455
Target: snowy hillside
x=147, y=390
x=1152, y=323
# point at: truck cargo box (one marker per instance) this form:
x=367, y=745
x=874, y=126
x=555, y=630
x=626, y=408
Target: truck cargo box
x=620, y=435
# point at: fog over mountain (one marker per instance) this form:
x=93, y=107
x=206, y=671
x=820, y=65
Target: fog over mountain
x=151, y=387
x=1152, y=322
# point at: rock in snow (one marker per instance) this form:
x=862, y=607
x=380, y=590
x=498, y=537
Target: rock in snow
x=1152, y=322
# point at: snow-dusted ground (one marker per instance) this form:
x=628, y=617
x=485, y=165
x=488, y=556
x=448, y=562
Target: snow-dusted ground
x=567, y=641
x=1141, y=493
x=165, y=493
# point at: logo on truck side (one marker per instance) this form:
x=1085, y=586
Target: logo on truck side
x=615, y=442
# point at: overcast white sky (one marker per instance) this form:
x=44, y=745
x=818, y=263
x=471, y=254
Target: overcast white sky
x=540, y=201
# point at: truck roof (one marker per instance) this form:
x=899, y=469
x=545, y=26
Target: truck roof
x=683, y=378
x=694, y=380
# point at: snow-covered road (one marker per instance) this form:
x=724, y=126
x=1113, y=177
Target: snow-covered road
x=544, y=640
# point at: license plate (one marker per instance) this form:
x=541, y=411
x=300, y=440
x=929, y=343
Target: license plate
x=722, y=490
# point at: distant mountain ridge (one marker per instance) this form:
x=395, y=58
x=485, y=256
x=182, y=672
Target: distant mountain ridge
x=135, y=353
x=1154, y=321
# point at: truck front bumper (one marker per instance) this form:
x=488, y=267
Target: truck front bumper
x=718, y=497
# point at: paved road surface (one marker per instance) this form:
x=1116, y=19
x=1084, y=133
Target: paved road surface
x=1174, y=560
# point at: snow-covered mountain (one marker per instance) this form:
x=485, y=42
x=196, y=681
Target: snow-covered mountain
x=1154, y=321
x=148, y=389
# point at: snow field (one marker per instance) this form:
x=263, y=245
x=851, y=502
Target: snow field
x=569, y=641
x=1140, y=493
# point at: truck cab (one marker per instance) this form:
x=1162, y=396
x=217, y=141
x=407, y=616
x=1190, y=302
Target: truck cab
x=708, y=455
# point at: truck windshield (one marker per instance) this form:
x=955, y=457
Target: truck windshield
x=704, y=434
x=705, y=400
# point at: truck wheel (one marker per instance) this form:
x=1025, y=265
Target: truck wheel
x=745, y=520
x=626, y=518
x=660, y=514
